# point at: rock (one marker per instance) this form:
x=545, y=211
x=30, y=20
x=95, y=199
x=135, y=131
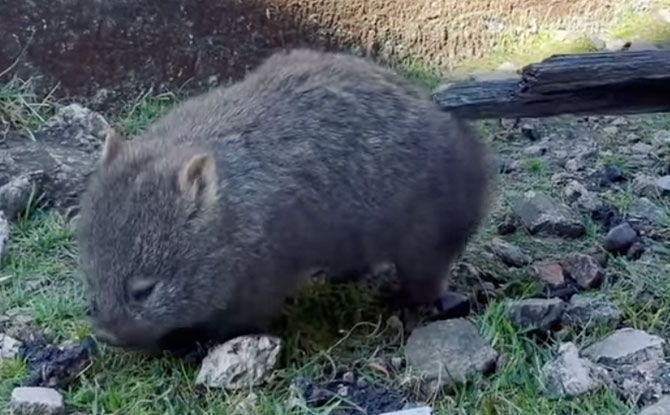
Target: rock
x=449, y=352
x=607, y=215
x=620, y=238
x=422, y=410
x=584, y=269
x=645, y=185
x=663, y=185
x=662, y=138
x=507, y=225
x=9, y=347
x=36, y=401
x=644, y=382
x=15, y=196
x=574, y=165
x=530, y=132
x=646, y=209
x=551, y=273
x=240, y=363
x=611, y=130
x=584, y=310
x=452, y=305
x=570, y=375
x=4, y=234
x=508, y=253
x=542, y=215
x=60, y=158
x=537, y=313
x=535, y=150
x=662, y=407
x=21, y=327
x=575, y=192
x=642, y=148
x=626, y=347
x=635, y=251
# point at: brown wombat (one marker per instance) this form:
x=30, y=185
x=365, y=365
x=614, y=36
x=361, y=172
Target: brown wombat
x=313, y=160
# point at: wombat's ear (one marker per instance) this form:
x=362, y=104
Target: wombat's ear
x=113, y=147
x=197, y=179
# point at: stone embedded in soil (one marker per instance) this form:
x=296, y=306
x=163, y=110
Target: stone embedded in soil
x=15, y=196
x=646, y=209
x=449, y=352
x=60, y=158
x=550, y=273
x=36, y=401
x=642, y=148
x=570, y=375
x=9, y=347
x=626, y=347
x=21, y=326
x=508, y=253
x=576, y=193
x=4, y=234
x=452, y=305
x=612, y=174
x=240, y=363
x=643, y=383
x=542, y=314
x=53, y=366
x=542, y=215
x=584, y=269
x=661, y=407
x=662, y=138
x=585, y=310
x=663, y=185
x=620, y=238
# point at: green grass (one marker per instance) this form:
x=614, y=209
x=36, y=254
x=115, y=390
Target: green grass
x=148, y=106
x=21, y=109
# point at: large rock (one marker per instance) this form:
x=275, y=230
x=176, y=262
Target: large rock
x=626, y=347
x=36, y=401
x=542, y=215
x=57, y=163
x=585, y=310
x=584, y=269
x=15, y=196
x=449, y=352
x=240, y=363
x=570, y=375
x=661, y=407
x=536, y=313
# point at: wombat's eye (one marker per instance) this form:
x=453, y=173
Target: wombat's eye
x=140, y=290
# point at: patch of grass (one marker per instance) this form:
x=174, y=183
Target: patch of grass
x=147, y=108
x=537, y=166
x=421, y=73
x=21, y=109
x=647, y=26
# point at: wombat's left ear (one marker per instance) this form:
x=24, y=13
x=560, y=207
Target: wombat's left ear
x=113, y=147
x=197, y=179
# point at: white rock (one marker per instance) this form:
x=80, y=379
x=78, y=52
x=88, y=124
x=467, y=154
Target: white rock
x=571, y=375
x=36, y=401
x=9, y=347
x=626, y=347
x=661, y=407
x=242, y=362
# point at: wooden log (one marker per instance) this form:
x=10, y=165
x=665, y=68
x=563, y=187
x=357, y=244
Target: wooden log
x=603, y=83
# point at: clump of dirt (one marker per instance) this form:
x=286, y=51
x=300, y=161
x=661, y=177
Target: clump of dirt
x=56, y=367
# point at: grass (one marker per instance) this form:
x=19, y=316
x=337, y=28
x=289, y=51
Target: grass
x=147, y=107
x=21, y=109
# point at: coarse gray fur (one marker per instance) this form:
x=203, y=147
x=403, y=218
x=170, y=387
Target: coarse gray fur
x=313, y=160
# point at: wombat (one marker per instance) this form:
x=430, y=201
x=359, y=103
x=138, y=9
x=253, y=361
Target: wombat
x=205, y=221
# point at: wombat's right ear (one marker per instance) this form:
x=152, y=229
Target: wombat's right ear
x=113, y=147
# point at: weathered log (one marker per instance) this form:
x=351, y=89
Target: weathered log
x=603, y=83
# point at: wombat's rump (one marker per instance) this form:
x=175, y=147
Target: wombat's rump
x=313, y=160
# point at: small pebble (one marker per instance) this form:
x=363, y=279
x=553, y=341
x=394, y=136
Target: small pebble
x=551, y=273
x=584, y=269
x=663, y=185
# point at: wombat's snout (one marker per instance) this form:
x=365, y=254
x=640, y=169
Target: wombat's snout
x=126, y=332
